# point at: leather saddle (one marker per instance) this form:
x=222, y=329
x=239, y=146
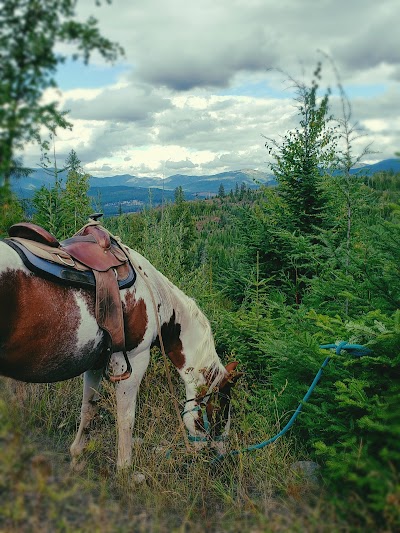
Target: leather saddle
x=90, y=259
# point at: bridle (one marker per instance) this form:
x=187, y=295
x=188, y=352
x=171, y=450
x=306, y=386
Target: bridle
x=202, y=408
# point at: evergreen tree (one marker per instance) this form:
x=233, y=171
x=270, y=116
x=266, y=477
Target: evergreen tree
x=243, y=190
x=182, y=219
x=11, y=210
x=64, y=210
x=302, y=156
x=47, y=204
x=75, y=202
x=179, y=196
x=347, y=184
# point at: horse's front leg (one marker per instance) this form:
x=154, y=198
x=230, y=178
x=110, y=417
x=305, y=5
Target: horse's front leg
x=126, y=392
x=89, y=408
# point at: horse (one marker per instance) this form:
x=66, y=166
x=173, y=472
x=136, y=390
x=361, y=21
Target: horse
x=48, y=333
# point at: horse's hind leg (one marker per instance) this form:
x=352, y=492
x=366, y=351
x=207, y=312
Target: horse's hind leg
x=92, y=380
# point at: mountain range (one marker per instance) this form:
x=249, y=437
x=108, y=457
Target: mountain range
x=126, y=193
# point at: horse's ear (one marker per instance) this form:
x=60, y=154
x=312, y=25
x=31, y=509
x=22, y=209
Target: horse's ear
x=230, y=367
x=231, y=378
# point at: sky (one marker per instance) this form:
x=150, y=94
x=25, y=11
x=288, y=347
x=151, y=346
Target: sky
x=203, y=83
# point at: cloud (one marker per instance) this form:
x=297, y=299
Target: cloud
x=185, y=44
x=179, y=165
x=373, y=42
x=130, y=103
x=197, y=96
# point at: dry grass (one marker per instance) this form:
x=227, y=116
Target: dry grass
x=181, y=492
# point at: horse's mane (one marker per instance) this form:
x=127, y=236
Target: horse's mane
x=186, y=311
x=206, y=356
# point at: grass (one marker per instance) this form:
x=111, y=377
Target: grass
x=182, y=492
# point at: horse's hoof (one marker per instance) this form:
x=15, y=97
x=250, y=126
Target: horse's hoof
x=77, y=466
x=42, y=467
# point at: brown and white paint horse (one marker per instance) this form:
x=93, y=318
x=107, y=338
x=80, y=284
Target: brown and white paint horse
x=48, y=333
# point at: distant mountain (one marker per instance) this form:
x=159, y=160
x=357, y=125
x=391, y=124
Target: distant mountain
x=130, y=193
x=385, y=165
x=200, y=185
x=196, y=184
x=126, y=180
x=209, y=185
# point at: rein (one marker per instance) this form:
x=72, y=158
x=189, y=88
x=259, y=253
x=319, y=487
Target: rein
x=356, y=350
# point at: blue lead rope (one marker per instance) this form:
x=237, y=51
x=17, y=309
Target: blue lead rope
x=356, y=350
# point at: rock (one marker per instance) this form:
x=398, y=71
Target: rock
x=138, y=477
x=160, y=449
x=308, y=469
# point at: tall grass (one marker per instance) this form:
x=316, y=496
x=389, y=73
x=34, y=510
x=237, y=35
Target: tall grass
x=176, y=491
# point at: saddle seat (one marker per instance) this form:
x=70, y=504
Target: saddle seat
x=92, y=258
x=91, y=246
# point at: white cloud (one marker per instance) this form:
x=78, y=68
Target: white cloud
x=197, y=92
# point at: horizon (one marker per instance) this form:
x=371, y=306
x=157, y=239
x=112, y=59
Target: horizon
x=360, y=165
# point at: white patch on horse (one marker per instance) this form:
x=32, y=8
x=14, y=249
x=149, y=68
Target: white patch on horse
x=88, y=330
x=8, y=257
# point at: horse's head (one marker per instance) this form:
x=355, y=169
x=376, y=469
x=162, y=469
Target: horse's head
x=208, y=417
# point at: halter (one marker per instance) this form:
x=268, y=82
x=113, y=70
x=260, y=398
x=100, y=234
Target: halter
x=202, y=407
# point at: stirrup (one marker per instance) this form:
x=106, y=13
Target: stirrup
x=120, y=377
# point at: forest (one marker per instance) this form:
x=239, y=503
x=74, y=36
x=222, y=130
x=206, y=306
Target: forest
x=279, y=272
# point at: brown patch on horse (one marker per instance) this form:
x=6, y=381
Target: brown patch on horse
x=170, y=333
x=39, y=321
x=135, y=320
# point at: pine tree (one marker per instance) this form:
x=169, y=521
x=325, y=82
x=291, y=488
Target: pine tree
x=303, y=155
x=60, y=210
x=75, y=202
x=47, y=204
x=179, y=196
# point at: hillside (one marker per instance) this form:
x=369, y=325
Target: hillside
x=128, y=194
x=124, y=199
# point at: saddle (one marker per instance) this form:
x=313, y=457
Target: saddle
x=91, y=259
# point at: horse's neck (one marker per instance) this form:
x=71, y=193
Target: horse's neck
x=194, y=330
x=202, y=364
